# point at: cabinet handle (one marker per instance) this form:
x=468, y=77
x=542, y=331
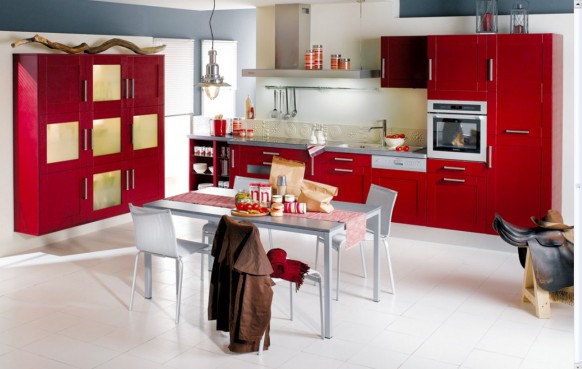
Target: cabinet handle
x=453, y=180
x=489, y=157
x=84, y=90
x=85, y=139
x=343, y=159
x=268, y=163
x=270, y=153
x=312, y=166
x=133, y=179
x=127, y=180
x=126, y=95
x=85, y=190
x=460, y=169
x=490, y=69
x=343, y=170
x=133, y=88
x=383, y=68
x=232, y=158
x=517, y=132
x=430, y=69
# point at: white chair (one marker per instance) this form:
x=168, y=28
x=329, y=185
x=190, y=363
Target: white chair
x=209, y=229
x=377, y=195
x=155, y=235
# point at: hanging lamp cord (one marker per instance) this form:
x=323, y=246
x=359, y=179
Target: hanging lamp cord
x=210, y=22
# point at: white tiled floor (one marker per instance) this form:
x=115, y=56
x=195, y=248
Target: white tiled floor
x=65, y=306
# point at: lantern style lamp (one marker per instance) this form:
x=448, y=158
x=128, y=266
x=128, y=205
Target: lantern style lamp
x=518, y=18
x=212, y=80
x=486, y=19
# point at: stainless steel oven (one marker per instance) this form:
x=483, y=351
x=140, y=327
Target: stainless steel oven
x=457, y=130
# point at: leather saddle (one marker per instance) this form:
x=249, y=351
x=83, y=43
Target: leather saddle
x=551, y=250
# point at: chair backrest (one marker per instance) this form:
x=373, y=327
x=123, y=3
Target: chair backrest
x=385, y=197
x=242, y=183
x=154, y=231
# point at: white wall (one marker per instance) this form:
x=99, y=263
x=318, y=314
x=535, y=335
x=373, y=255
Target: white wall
x=338, y=28
x=11, y=242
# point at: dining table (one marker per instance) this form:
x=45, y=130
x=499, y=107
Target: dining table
x=324, y=229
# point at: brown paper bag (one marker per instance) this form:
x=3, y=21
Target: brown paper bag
x=292, y=170
x=317, y=196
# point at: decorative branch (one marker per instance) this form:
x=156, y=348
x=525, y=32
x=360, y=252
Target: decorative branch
x=84, y=48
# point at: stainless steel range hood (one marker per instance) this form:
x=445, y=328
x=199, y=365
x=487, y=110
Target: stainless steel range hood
x=292, y=38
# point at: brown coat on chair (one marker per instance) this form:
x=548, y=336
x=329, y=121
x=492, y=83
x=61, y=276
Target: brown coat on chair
x=240, y=285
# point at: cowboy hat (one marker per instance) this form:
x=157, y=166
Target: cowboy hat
x=552, y=220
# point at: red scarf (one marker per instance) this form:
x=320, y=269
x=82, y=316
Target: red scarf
x=289, y=270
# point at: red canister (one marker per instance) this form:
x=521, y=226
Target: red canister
x=309, y=59
x=317, y=56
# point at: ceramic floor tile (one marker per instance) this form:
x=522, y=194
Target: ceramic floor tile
x=19, y=359
x=509, y=338
x=416, y=362
x=310, y=361
x=127, y=361
x=479, y=359
x=373, y=358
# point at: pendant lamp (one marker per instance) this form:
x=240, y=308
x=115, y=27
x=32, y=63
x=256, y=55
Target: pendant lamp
x=212, y=80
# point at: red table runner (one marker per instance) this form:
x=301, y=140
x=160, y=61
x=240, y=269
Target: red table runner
x=355, y=222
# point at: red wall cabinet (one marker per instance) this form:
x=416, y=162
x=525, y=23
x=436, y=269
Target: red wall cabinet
x=458, y=67
x=457, y=195
x=87, y=139
x=410, y=206
x=404, y=61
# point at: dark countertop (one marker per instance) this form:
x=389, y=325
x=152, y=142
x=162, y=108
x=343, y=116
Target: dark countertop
x=298, y=144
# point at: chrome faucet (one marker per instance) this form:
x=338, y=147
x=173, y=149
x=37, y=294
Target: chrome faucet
x=383, y=127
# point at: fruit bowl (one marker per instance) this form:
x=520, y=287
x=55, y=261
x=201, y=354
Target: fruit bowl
x=200, y=167
x=393, y=143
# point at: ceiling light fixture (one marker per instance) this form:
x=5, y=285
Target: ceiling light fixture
x=212, y=81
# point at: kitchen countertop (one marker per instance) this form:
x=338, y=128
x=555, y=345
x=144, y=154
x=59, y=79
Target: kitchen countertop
x=298, y=143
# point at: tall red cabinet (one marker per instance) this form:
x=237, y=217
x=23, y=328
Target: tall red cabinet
x=88, y=137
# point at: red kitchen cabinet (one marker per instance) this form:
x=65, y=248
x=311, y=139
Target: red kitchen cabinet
x=457, y=195
x=410, y=206
x=76, y=118
x=404, y=61
x=350, y=173
x=219, y=159
x=458, y=67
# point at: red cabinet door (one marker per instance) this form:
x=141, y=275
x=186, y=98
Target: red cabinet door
x=410, y=206
x=145, y=180
x=456, y=202
x=350, y=173
x=457, y=67
x=404, y=61
x=63, y=84
x=519, y=79
x=106, y=193
x=145, y=131
x=146, y=81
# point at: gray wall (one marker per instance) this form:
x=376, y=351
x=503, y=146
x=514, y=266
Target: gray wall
x=446, y=8
x=93, y=17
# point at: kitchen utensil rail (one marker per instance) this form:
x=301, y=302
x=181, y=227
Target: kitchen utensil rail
x=322, y=88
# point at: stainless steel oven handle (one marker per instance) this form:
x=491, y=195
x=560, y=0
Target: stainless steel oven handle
x=517, y=131
x=456, y=180
x=460, y=169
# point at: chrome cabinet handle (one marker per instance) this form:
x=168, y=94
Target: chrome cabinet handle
x=343, y=170
x=343, y=159
x=85, y=139
x=126, y=88
x=270, y=153
x=312, y=166
x=456, y=180
x=268, y=163
x=127, y=180
x=133, y=179
x=383, y=68
x=490, y=69
x=85, y=189
x=133, y=88
x=460, y=169
x=430, y=69
x=232, y=158
x=517, y=131
x=84, y=90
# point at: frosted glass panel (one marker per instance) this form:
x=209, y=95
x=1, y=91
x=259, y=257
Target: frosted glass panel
x=62, y=142
x=106, y=82
x=106, y=136
x=106, y=189
x=145, y=131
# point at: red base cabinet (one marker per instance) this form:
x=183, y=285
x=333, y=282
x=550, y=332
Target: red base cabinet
x=350, y=173
x=410, y=206
x=88, y=137
x=457, y=195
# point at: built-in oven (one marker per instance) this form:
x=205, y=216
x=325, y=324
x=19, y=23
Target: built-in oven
x=457, y=130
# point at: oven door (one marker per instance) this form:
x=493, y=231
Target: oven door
x=457, y=137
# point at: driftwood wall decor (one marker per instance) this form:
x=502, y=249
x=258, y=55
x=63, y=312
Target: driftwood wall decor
x=84, y=48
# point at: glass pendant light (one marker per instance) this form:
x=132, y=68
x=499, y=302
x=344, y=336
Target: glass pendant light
x=212, y=80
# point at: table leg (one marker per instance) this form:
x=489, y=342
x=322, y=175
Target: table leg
x=327, y=284
x=376, y=228
x=147, y=275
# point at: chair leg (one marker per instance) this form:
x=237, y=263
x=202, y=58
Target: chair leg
x=270, y=239
x=291, y=300
x=318, y=279
x=363, y=260
x=134, y=278
x=389, y=263
x=179, y=275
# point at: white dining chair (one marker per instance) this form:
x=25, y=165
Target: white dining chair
x=155, y=235
x=377, y=195
x=240, y=182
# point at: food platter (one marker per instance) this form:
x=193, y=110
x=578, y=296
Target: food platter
x=246, y=213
